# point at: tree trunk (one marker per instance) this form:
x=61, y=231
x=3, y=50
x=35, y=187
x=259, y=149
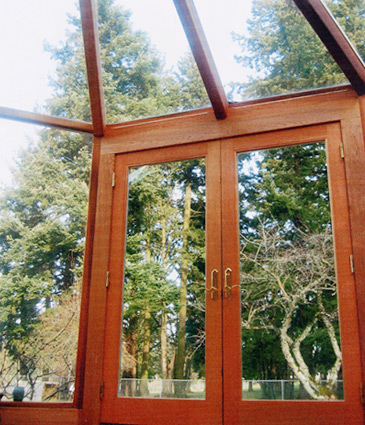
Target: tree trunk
x=180, y=356
x=146, y=351
x=146, y=333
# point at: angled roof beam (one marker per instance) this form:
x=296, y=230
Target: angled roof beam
x=47, y=120
x=335, y=40
x=203, y=56
x=93, y=65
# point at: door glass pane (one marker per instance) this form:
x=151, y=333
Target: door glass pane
x=163, y=329
x=290, y=331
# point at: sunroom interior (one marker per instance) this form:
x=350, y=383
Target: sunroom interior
x=183, y=238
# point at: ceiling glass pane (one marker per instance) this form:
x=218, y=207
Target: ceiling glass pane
x=42, y=58
x=148, y=69
x=350, y=14
x=265, y=47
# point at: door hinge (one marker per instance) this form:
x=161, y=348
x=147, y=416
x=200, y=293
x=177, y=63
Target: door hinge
x=101, y=390
x=107, y=281
x=113, y=180
x=352, y=263
x=342, y=152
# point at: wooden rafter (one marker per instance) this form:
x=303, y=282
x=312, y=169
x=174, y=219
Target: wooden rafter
x=34, y=118
x=93, y=65
x=203, y=56
x=335, y=40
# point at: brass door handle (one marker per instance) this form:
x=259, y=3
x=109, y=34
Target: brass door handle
x=213, y=284
x=228, y=283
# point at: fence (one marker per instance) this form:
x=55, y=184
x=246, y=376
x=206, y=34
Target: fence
x=284, y=389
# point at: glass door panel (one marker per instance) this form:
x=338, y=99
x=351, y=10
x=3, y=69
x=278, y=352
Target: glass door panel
x=163, y=355
x=289, y=314
x=163, y=330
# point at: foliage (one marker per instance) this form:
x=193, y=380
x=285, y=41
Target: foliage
x=285, y=52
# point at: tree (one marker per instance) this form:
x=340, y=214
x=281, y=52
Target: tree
x=286, y=53
x=288, y=285
x=290, y=288
x=164, y=272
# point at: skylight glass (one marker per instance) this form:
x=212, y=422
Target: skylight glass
x=42, y=56
x=148, y=68
x=351, y=17
x=264, y=48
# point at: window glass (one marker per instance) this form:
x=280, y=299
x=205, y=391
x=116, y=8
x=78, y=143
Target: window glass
x=266, y=47
x=43, y=203
x=148, y=68
x=43, y=58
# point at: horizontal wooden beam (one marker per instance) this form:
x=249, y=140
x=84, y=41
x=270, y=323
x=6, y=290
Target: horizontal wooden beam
x=203, y=56
x=244, y=119
x=93, y=65
x=46, y=120
x=335, y=40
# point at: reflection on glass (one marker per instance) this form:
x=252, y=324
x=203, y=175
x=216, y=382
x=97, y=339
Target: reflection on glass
x=42, y=234
x=148, y=69
x=163, y=330
x=290, y=331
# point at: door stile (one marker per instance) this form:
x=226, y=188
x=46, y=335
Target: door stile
x=139, y=410
x=230, y=277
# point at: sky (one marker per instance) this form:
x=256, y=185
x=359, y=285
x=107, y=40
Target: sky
x=26, y=66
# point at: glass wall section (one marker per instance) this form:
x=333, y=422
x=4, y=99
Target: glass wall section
x=290, y=327
x=266, y=47
x=43, y=209
x=163, y=332
x=43, y=64
x=350, y=14
x=148, y=69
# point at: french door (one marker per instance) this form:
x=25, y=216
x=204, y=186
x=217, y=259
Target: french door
x=231, y=297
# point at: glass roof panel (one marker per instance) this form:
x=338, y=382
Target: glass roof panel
x=350, y=14
x=42, y=58
x=265, y=48
x=148, y=68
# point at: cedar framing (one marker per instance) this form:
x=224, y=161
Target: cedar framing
x=93, y=65
x=203, y=56
x=46, y=120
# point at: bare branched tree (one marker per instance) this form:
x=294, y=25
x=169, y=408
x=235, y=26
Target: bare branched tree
x=289, y=286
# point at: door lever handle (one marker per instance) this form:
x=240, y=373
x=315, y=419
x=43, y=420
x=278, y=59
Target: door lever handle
x=213, y=284
x=228, y=283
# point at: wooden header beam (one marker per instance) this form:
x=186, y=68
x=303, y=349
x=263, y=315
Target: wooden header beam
x=335, y=40
x=203, y=56
x=47, y=120
x=93, y=65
